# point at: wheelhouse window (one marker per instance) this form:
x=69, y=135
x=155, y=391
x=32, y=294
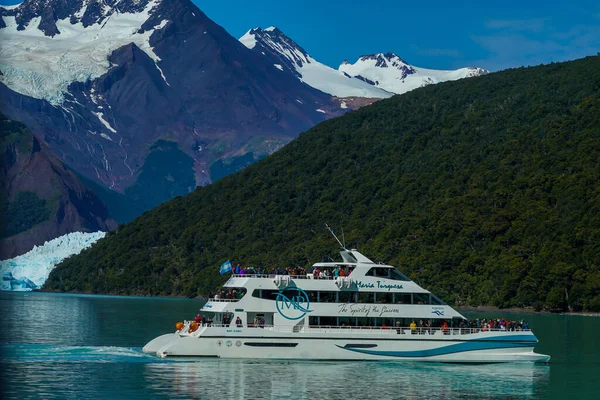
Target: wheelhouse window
x=388, y=273
x=436, y=301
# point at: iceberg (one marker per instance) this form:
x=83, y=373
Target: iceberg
x=30, y=270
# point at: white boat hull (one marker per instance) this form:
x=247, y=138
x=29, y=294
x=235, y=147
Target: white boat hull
x=483, y=347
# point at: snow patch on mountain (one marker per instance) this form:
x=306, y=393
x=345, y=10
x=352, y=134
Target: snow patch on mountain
x=105, y=122
x=42, y=66
x=391, y=73
x=10, y=7
x=295, y=59
x=35, y=266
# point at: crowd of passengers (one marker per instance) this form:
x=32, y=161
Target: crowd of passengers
x=498, y=323
x=476, y=325
x=230, y=294
x=328, y=274
x=250, y=270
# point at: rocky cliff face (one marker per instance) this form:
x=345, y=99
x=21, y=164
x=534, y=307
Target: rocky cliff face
x=41, y=198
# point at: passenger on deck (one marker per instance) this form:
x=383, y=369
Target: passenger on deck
x=413, y=327
x=198, y=319
x=445, y=328
x=238, y=322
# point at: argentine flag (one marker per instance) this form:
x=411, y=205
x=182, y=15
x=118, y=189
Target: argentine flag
x=225, y=267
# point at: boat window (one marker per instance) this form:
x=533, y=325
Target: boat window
x=366, y=297
x=420, y=298
x=267, y=294
x=347, y=297
x=327, y=297
x=402, y=298
x=398, y=276
x=386, y=298
x=436, y=301
x=378, y=272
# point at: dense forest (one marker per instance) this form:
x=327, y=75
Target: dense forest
x=486, y=191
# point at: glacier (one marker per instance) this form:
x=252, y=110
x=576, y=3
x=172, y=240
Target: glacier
x=30, y=270
x=43, y=67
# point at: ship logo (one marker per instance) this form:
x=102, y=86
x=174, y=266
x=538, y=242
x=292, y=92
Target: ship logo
x=438, y=312
x=292, y=303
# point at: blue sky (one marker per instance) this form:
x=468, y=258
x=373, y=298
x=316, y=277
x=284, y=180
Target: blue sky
x=435, y=34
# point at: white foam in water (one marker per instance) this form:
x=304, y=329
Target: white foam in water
x=30, y=270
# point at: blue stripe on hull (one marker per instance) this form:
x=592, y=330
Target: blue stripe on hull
x=440, y=351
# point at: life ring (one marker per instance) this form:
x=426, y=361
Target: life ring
x=193, y=327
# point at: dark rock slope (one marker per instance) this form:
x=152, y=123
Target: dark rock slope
x=41, y=198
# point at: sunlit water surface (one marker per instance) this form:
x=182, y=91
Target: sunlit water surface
x=77, y=346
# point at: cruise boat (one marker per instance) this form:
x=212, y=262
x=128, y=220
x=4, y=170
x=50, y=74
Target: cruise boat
x=368, y=311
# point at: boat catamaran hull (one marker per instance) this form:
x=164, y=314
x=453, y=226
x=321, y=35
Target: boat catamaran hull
x=303, y=317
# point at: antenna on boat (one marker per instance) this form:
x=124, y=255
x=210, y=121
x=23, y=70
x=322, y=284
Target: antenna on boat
x=336, y=238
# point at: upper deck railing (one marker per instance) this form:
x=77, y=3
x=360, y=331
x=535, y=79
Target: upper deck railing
x=271, y=276
x=224, y=300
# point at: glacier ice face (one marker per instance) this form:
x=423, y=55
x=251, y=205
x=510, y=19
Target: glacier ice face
x=30, y=270
x=9, y=282
x=43, y=67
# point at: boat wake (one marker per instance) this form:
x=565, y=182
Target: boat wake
x=23, y=353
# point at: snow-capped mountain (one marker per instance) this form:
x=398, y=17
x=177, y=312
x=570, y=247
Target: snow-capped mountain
x=374, y=76
x=391, y=73
x=102, y=81
x=288, y=55
x=30, y=270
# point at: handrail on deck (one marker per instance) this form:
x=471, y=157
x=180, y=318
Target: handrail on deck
x=406, y=330
x=219, y=300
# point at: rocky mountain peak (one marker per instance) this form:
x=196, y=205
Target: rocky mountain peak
x=46, y=13
x=273, y=41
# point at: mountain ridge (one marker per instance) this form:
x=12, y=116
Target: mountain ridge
x=361, y=79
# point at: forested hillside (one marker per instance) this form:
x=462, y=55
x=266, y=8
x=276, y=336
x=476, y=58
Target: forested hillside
x=486, y=191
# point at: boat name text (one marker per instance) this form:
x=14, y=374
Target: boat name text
x=379, y=285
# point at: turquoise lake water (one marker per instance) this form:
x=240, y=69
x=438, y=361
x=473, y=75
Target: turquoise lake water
x=79, y=346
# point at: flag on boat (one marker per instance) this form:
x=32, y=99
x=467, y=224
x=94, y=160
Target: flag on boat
x=225, y=267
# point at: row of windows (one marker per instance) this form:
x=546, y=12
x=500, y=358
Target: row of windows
x=368, y=321
x=354, y=297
